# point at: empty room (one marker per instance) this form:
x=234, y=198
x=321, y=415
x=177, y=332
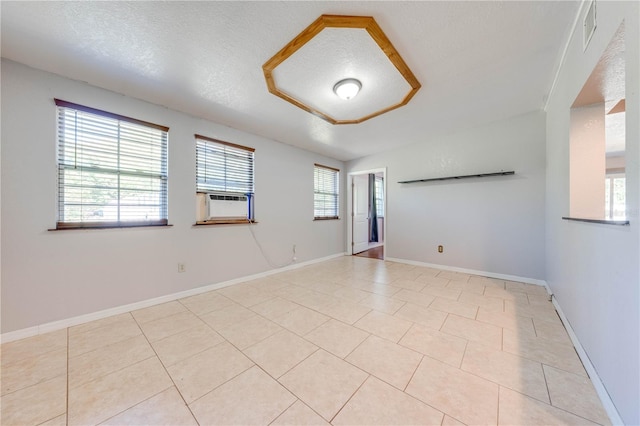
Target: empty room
x=319, y=212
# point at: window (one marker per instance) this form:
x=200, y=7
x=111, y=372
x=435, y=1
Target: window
x=379, y=188
x=615, y=194
x=325, y=192
x=112, y=170
x=223, y=167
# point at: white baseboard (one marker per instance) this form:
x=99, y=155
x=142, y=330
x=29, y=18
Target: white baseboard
x=606, y=400
x=607, y=403
x=470, y=271
x=81, y=319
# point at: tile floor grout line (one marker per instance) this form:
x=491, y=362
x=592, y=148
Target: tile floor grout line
x=568, y=372
x=505, y=386
x=413, y=374
x=164, y=367
x=418, y=399
x=190, y=356
x=443, y=323
x=350, y=397
x=49, y=351
x=405, y=333
x=221, y=384
x=116, y=371
x=169, y=316
x=498, y=406
x=464, y=352
x=113, y=371
x=201, y=313
x=286, y=409
x=277, y=379
x=372, y=374
x=135, y=405
x=106, y=346
x=226, y=381
x=259, y=341
x=354, y=349
x=546, y=383
x=553, y=406
x=553, y=366
x=128, y=313
x=299, y=305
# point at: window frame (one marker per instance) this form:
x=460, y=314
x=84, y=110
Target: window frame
x=203, y=190
x=336, y=194
x=119, y=171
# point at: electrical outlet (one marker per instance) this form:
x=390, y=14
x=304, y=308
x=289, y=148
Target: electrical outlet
x=182, y=267
x=440, y=249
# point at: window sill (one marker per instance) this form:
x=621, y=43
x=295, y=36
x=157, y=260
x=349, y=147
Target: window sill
x=120, y=226
x=600, y=221
x=224, y=222
x=327, y=218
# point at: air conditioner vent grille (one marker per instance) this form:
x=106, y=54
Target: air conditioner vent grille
x=225, y=197
x=228, y=205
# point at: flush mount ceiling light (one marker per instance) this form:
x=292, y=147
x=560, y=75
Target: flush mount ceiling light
x=347, y=89
x=305, y=71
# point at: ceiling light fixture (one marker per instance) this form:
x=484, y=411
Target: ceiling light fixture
x=288, y=76
x=348, y=88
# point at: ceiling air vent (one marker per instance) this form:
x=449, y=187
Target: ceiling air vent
x=589, y=24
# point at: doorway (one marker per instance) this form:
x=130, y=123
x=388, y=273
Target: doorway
x=367, y=208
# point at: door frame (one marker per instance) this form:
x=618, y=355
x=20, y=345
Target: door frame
x=349, y=239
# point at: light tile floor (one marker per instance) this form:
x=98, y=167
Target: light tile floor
x=347, y=341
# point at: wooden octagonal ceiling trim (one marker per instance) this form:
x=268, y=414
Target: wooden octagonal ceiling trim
x=365, y=23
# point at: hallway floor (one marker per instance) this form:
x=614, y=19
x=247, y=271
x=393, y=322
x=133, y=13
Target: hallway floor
x=373, y=253
x=347, y=341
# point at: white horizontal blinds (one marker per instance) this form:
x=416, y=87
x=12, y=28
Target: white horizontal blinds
x=223, y=166
x=325, y=194
x=112, y=170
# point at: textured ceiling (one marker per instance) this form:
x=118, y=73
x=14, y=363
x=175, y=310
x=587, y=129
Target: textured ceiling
x=333, y=55
x=477, y=61
x=606, y=84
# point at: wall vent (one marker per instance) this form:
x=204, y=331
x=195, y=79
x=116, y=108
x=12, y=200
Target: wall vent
x=589, y=24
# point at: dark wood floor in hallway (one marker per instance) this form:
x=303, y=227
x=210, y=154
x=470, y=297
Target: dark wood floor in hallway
x=373, y=253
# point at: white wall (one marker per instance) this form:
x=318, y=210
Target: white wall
x=593, y=269
x=49, y=276
x=493, y=224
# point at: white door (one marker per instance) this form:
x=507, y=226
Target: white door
x=360, y=213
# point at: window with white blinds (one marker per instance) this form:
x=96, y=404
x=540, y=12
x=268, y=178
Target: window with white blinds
x=112, y=170
x=223, y=166
x=379, y=188
x=325, y=192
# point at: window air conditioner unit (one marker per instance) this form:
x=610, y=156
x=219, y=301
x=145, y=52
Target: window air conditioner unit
x=227, y=205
